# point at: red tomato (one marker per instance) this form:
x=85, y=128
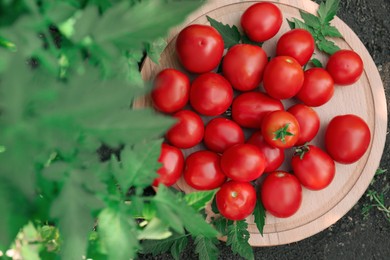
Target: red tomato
x=309, y=122
x=202, y=170
x=188, y=131
x=172, y=160
x=283, y=77
x=313, y=167
x=243, y=66
x=236, y=200
x=171, y=90
x=243, y=162
x=296, y=43
x=281, y=194
x=280, y=129
x=248, y=109
x=261, y=21
x=274, y=156
x=211, y=94
x=345, y=67
x=347, y=138
x=199, y=48
x=317, y=89
x=222, y=133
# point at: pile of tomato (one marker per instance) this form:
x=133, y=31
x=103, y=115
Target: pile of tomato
x=231, y=163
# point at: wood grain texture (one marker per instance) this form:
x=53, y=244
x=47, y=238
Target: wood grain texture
x=365, y=98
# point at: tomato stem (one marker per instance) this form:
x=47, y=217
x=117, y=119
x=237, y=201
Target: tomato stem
x=301, y=151
x=281, y=133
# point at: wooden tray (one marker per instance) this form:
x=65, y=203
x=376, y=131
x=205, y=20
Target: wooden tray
x=366, y=98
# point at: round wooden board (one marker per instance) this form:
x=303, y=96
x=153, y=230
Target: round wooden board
x=366, y=98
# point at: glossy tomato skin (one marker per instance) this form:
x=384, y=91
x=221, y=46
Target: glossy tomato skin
x=243, y=65
x=308, y=120
x=261, y=21
x=211, y=94
x=222, y=133
x=283, y=77
x=281, y=194
x=347, y=138
x=274, y=156
x=249, y=109
x=318, y=87
x=345, y=67
x=172, y=161
x=199, y=48
x=202, y=170
x=243, y=162
x=315, y=169
x=296, y=43
x=188, y=131
x=236, y=200
x=171, y=90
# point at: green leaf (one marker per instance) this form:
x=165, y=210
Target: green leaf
x=155, y=48
x=81, y=24
x=331, y=31
x=133, y=72
x=316, y=63
x=327, y=46
x=206, y=248
x=199, y=200
x=96, y=249
x=156, y=247
x=302, y=25
x=291, y=24
x=246, y=40
x=155, y=229
x=178, y=247
x=328, y=10
x=230, y=34
x=310, y=19
x=221, y=224
x=259, y=214
x=238, y=237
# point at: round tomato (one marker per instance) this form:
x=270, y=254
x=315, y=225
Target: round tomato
x=211, y=94
x=202, y=170
x=236, y=200
x=188, y=131
x=171, y=91
x=248, y=109
x=243, y=66
x=317, y=89
x=314, y=168
x=243, y=162
x=347, y=138
x=281, y=194
x=309, y=122
x=261, y=21
x=222, y=133
x=172, y=161
x=283, y=77
x=345, y=67
x=199, y=48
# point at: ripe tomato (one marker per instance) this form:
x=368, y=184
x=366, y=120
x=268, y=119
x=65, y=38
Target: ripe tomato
x=243, y=162
x=296, y=43
x=345, y=67
x=199, y=48
x=309, y=122
x=222, y=133
x=243, y=66
x=171, y=90
x=261, y=21
x=188, y=131
x=314, y=168
x=281, y=194
x=283, y=77
x=172, y=160
x=202, y=170
x=317, y=89
x=248, y=109
x=211, y=94
x=280, y=129
x=236, y=200
x=347, y=138
x=274, y=156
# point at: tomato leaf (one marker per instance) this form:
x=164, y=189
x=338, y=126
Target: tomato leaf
x=310, y=19
x=238, y=237
x=316, y=63
x=155, y=229
x=246, y=40
x=302, y=25
x=259, y=214
x=199, y=200
x=178, y=247
x=331, y=31
x=155, y=48
x=206, y=248
x=156, y=247
x=327, y=46
x=230, y=34
x=291, y=24
x=328, y=10
x=221, y=224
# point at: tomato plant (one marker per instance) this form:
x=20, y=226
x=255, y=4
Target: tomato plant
x=345, y=67
x=172, y=160
x=308, y=120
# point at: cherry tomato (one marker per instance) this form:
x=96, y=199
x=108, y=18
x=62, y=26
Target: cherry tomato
x=236, y=200
x=222, y=133
x=248, y=109
x=313, y=167
x=202, y=170
x=243, y=66
x=281, y=194
x=347, y=138
x=345, y=67
x=309, y=122
x=317, y=89
x=188, y=131
x=211, y=94
x=261, y=21
x=172, y=160
x=283, y=77
x=171, y=90
x=199, y=48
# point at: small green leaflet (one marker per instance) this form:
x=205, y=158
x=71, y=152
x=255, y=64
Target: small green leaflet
x=331, y=31
x=245, y=39
x=156, y=247
x=221, y=224
x=327, y=46
x=237, y=239
x=206, y=248
x=316, y=63
x=230, y=34
x=178, y=247
x=328, y=10
x=259, y=214
x=310, y=19
x=155, y=229
x=198, y=200
x=155, y=48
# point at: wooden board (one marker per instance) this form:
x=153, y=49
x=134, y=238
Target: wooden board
x=366, y=98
